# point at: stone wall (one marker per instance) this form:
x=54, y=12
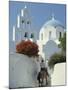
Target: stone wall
x=23, y=71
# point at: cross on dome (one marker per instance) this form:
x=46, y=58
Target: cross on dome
x=53, y=17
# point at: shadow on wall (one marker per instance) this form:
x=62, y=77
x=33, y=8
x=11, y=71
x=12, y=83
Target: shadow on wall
x=50, y=48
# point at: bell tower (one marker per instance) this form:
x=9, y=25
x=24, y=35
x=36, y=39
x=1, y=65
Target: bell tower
x=25, y=23
x=23, y=27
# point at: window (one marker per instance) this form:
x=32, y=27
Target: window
x=49, y=34
x=26, y=34
x=59, y=35
x=23, y=21
x=32, y=35
x=41, y=36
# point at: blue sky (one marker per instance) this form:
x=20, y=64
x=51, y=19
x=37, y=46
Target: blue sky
x=40, y=12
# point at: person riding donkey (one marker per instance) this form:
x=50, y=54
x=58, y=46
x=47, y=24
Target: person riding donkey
x=43, y=74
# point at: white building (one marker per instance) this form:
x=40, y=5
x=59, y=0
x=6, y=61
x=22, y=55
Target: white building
x=48, y=42
x=49, y=36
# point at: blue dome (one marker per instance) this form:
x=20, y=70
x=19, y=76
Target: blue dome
x=53, y=22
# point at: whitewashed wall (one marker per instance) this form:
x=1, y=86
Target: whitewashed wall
x=45, y=31
x=58, y=76
x=22, y=71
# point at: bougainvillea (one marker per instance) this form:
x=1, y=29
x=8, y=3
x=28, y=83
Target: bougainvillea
x=28, y=48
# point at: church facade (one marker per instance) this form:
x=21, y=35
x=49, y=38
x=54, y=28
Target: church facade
x=49, y=36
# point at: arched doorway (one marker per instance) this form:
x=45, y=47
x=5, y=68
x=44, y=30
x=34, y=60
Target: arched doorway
x=50, y=48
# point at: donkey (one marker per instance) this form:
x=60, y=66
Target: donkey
x=42, y=77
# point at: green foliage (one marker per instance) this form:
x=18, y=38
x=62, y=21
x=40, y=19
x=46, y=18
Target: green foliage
x=63, y=43
x=59, y=57
x=56, y=58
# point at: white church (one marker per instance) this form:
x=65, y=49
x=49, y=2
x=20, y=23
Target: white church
x=49, y=34
x=23, y=70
